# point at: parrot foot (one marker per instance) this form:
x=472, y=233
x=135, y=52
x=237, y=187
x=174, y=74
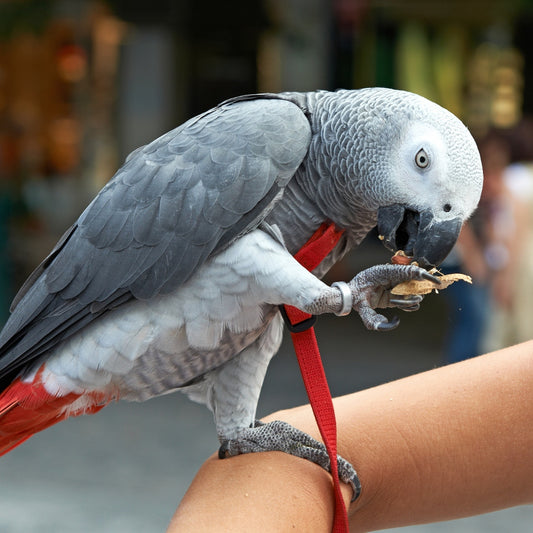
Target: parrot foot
x=371, y=290
x=280, y=436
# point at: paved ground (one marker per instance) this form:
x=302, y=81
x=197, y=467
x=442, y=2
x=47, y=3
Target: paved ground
x=125, y=469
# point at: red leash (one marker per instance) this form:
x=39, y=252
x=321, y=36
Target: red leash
x=300, y=325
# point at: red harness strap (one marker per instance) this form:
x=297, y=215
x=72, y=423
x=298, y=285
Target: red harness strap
x=303, y=337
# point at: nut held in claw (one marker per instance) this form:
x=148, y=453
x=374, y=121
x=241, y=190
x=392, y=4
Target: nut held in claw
x=423, y=286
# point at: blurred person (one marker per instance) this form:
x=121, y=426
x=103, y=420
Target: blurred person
x=484, y=250
x=511, y=313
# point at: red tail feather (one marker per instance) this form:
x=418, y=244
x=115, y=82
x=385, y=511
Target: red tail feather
x=27, y=408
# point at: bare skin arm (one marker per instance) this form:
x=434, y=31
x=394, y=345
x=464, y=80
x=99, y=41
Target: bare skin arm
x=444, y=444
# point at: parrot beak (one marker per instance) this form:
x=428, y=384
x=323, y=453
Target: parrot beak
x=424, y=239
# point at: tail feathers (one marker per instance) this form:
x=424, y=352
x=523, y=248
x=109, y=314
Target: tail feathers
x=27, y=408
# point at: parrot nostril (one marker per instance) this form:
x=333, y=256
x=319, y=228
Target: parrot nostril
x=447, y=208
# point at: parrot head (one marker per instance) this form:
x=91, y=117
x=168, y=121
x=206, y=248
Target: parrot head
x=416, y=166
x=437, y=162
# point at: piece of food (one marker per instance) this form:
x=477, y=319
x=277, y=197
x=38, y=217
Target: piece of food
x=425, y=287
x=399, y=258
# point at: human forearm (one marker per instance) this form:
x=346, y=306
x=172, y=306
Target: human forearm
x=450, y=442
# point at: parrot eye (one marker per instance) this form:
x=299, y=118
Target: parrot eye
x=421, y=158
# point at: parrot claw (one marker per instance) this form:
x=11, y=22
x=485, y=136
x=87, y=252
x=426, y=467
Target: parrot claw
x=407, y=303
x=388, y=325
x=280, y=436
x=371, y=290
x=430, y=277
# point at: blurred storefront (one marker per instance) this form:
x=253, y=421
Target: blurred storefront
x=83, y=82
x=58, y=73
x=471, y=57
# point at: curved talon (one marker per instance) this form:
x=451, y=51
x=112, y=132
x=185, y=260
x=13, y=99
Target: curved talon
x=223, y=451
x=390, y=325
x=430, y=277
x=397, y=302
x=355, y=483
x=406, y=302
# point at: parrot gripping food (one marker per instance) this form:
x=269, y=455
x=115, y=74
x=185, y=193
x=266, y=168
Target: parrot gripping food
x=424, y=286
x=171, y=278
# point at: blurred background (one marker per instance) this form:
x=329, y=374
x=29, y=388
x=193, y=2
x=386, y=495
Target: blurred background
x=84, y=82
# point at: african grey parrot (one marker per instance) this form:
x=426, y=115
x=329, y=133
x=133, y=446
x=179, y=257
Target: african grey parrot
x=171, y=278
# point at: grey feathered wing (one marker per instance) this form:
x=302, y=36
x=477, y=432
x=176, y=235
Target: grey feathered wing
x=175, y=202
